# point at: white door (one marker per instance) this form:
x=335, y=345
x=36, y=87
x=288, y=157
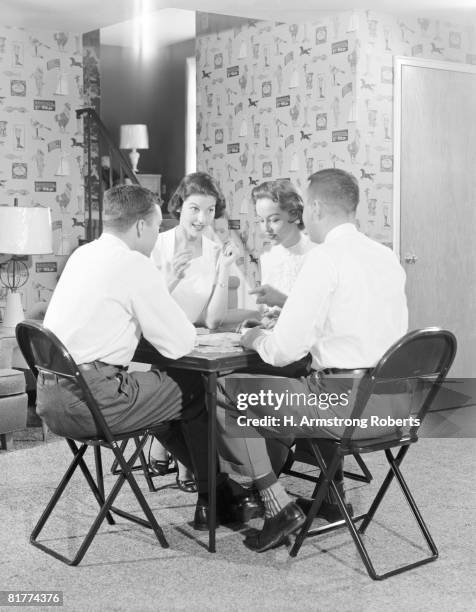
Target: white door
x=435, y=197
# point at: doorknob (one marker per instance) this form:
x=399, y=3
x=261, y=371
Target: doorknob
x=410, y=258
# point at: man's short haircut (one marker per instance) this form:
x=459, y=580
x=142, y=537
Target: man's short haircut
x=124, y=205
x=195, y=183
x=336, y=189
x=283, y=193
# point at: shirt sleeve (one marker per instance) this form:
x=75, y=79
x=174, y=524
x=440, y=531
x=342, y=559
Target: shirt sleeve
x=264, y=268
x=162, y=255
x=162, y=321
x=157, y=252
x=303, y=315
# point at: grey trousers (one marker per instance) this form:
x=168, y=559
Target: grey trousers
x=256, y=449
x=130, y=401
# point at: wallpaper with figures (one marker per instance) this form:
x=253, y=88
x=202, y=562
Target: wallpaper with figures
x=283, y=100
x=41, y=151
x=379, y=38
x=92, y=98
x=275, y=100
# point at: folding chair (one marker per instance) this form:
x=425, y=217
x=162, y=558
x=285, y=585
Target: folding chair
x=420, y=359
x=45, y=353
x=143, y=464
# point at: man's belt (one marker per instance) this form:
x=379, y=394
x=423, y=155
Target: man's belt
x=94, y=365
x=344, y=371
x=85, y=367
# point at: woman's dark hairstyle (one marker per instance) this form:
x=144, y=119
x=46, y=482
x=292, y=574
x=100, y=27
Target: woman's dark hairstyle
x=283, y=193
x=126, y=204
x=196, y=183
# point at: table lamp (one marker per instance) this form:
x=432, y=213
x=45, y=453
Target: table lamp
x=134, y=137
x=23, y=231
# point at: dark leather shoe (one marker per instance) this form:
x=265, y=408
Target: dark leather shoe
x=225, y=515
x=243, y=509
x=277, y=528
x=235, y=504
x=200, y=520
x=329, y=510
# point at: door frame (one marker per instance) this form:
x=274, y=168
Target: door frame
x=399, y=63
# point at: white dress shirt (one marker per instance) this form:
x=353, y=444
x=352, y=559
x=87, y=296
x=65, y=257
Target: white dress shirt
x=347, y=306
x=194, y=290
x=280, y=267
x=106, y=297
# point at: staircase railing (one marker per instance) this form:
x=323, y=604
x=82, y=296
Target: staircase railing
x=99, y=176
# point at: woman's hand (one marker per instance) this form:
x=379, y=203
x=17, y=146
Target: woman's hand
x=269, y=295
x=248, y=324
x=228, y=255
x=180, y=263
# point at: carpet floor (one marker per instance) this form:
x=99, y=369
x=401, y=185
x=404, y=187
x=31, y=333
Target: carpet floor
x=125, y=568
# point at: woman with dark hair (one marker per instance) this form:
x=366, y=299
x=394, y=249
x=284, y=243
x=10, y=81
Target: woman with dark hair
x=196, y=270
x=279, y=208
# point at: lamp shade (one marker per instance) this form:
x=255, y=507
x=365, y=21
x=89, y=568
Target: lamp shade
x=134, y=137
x=25, y=231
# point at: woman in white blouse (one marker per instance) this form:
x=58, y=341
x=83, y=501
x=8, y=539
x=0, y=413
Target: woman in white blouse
x=196, y=268
x=196, y=271
x=279, y=208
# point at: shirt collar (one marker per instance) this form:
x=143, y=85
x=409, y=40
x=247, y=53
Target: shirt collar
x=344, y=229
x=292, y=249
x=107, y=238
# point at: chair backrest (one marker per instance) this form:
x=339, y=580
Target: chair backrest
x=422, y=352
x=417, y=363
x=43, y=351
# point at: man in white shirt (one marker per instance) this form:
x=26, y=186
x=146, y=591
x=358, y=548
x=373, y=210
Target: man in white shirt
x=347, y=316
x=108, y=295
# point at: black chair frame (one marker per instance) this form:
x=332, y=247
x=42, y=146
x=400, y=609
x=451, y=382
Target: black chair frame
x=364, y=476
x=297, y=370
x=44, y=352
x=433, y=345
x=143, y=464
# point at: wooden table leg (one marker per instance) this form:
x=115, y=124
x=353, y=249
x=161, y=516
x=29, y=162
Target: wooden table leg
x=211, y=399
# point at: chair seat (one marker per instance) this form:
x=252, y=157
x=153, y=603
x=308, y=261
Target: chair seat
x=375, y=444
x=100, y=441
x=304, y=455
x=12, y=382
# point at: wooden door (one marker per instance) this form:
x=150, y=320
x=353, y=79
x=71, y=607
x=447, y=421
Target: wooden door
x=436, y=188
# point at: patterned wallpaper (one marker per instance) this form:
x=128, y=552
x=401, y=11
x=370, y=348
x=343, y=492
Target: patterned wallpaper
x=380, y=38
x=274, y=101
x=282, y=100
x=92, y=98
x=41, y=154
